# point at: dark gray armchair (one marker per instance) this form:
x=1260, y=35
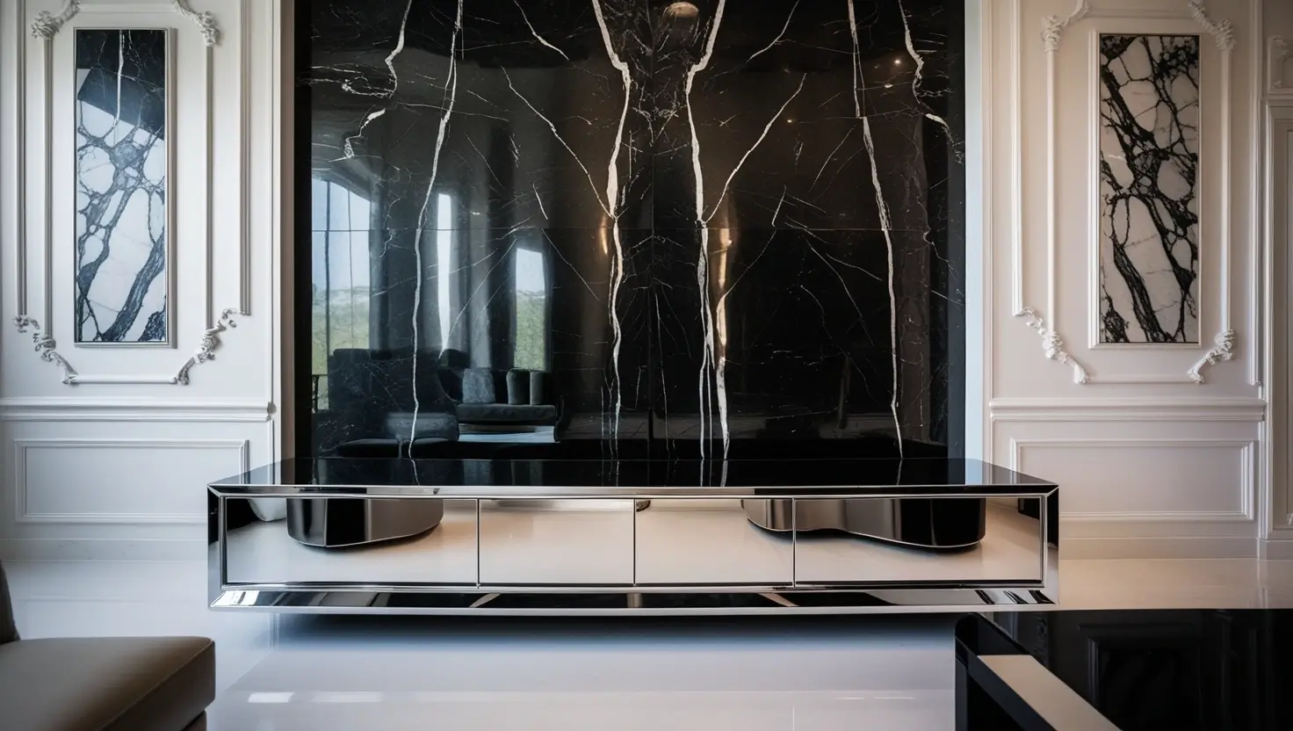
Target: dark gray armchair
x=97, y=683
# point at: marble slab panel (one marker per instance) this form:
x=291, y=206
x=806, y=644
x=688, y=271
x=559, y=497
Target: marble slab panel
x=700, y=219
x=1149, y=212
x=122, y=258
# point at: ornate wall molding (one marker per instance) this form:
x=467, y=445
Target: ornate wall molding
x=1278, y=52
x=205, y=21
x=1053, y=26
x=1223, y=348
x=1221, y=30
x=46, y=26
x=1052, y=344
x=46, y=347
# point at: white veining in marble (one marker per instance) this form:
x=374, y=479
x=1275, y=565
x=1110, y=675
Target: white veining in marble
x=708, y=361
x=451, y=93
x=613, y=202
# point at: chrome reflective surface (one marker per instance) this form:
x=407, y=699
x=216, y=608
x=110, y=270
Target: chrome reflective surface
x=343, y=522
x=537, y=476
x=694, y=554
x=946, y=524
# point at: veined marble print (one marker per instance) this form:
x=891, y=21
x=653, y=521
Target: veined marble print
x=1149, y=209
x=122, y=251
x=708, y=222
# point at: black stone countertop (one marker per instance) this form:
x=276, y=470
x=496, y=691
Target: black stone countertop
x=1179, y=669
x=629, y=478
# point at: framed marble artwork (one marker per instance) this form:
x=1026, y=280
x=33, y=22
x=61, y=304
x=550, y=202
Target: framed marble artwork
x=1148, y=144
x=123, y=260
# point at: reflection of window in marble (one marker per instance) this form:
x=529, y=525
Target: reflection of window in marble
x=121, y=258
x=1149, y=214
x=531, y=302
x=340, y=228
x=443, y=264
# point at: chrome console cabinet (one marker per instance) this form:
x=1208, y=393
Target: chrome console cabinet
x=563, y=537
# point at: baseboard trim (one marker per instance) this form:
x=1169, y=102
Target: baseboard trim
x=50, y=549
x=1275, y=550
x=1176, y=547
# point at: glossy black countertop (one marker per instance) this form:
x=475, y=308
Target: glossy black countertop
x=629, y=478
x=1179, y=669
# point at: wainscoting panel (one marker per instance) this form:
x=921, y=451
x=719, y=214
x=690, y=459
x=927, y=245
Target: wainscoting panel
x=119, y=481
x=1146, y=480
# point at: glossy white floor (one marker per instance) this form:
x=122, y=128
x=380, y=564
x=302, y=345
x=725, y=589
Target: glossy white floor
x=398, y=673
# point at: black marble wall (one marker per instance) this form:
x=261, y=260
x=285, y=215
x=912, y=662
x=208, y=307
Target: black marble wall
x=706, y=223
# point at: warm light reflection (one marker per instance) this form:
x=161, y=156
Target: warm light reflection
x=720, y=312
x=601, y=235
x=443, y=263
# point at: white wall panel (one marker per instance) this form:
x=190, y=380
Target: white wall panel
x=1150, y=462
x=1147, y=480
x=121, y=481
x=115, y=466
x=1277, y=240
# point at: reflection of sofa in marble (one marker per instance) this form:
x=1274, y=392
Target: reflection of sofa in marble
x=921, y=522
x=496, y=398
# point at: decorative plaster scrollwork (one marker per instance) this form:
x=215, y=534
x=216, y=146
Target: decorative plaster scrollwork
x=45, y=346
x=1221, y=30
x=1223, y=348
x=1053, y=344
x=205, y=21
x=206, y=347
x=1053, y=27
x=1277, y=53
x=46, y=25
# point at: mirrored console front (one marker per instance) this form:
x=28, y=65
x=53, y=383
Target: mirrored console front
x=556, y=537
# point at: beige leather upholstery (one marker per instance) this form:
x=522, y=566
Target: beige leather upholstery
x=102, y=683
x=117, y=683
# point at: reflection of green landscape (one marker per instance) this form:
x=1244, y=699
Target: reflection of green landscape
x=530, y=340
x=348, y=328
x=348, y=309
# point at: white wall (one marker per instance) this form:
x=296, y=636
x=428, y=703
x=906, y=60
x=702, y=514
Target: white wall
x=115, y=465
x=1150, y=462
x=1277, y=224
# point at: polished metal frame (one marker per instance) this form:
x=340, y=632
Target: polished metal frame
x=850, y=597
